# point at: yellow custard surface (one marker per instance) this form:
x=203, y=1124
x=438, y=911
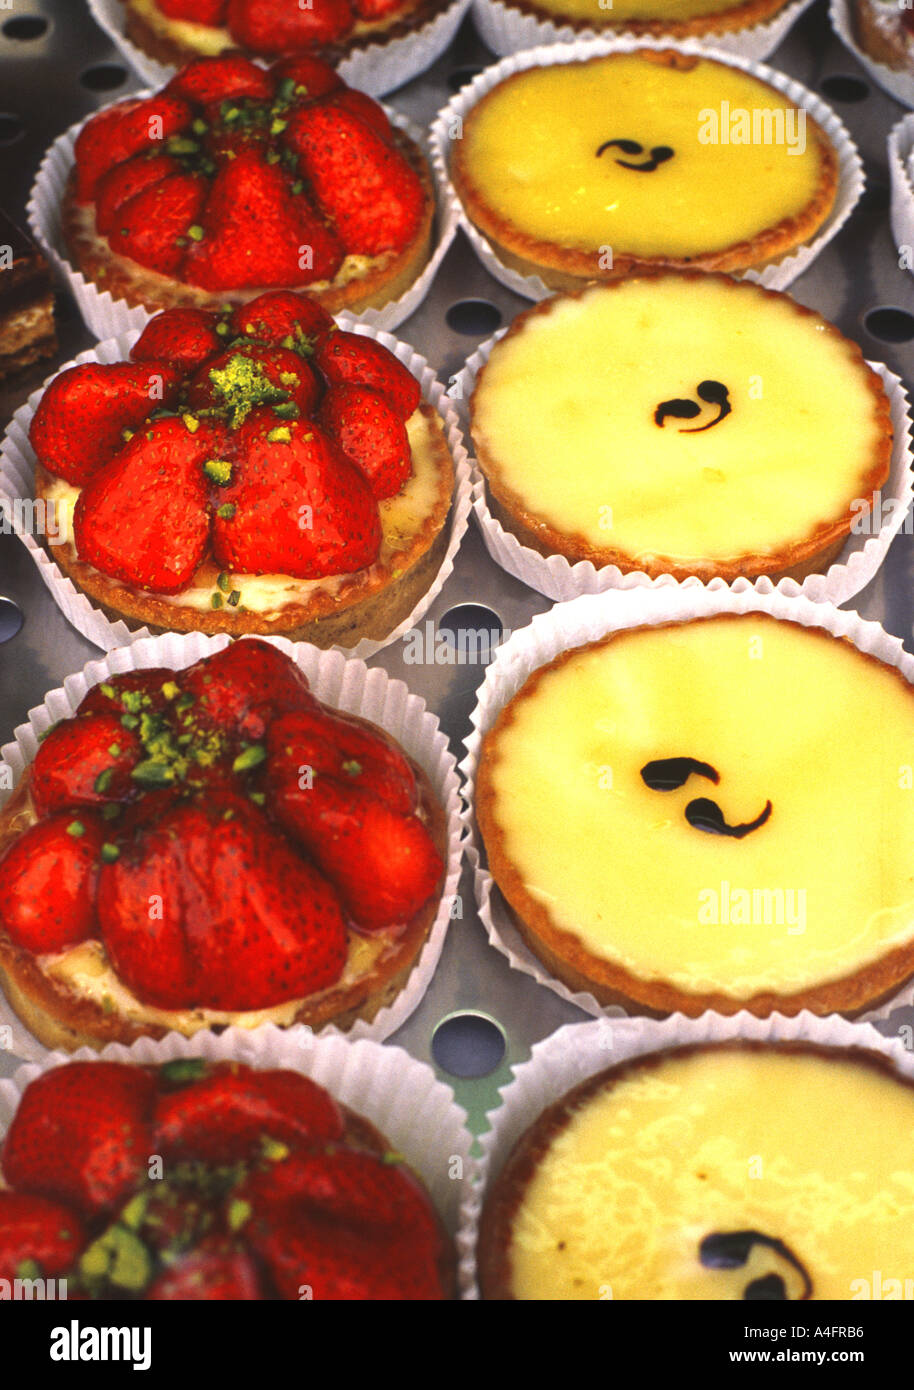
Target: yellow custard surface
x=530, y=150
x=783, y=714
x=619, y=11
x=812, y=1151
x=564, y=418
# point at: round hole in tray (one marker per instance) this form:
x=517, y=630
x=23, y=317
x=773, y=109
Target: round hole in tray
x=842, y=86
x=473, y=631
x=468, y=1044
x=103, y=77
x=11, y=619
x=461, y=76
x=475, y=317
x=889, y=325
x=25, y=26
x=11, y=127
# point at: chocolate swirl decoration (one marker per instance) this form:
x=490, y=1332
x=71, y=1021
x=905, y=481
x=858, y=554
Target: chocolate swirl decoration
x=656, y=156
x=732, y=1249
x=711, y=392
x=669, y=774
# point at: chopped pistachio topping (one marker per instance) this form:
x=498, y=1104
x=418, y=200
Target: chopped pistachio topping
x=250, y=757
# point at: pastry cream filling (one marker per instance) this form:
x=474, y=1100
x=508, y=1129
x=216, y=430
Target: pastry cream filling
x=401, y=518
x=531, y=145
x=819, y=890
x=86, y=970
x=582, y=450
x=620, y=10
x=809, y=1151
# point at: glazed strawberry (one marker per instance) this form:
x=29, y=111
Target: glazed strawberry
x=243, y=922
x=283, y=319
x=296, y=504
x=373, y=10
x=224, y=78
x=371, y=433
x=351, y=358
x=185, y=338
x=256, y=234
x=275, y=26
x=49, y=878
x=81, y=1134
x=384, y=865
x=38, y=1237
x=214, y=1270
x=126, y=181
x=84, y=762
x=255, y=374
x=145, y=518
x=196, y=11
x=156, y=227
x=367, y=189
x=122, y=131
x=308, y=76
x=80, y=420
x=230, y=1110
x=365, y=107
x=240, y=689
x=347, y=1225
x=339, y=746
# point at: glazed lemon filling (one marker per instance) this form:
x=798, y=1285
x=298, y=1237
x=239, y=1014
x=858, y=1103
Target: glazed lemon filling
x=611, y=455
x=532, y=144
x=620, y=10
x=656, y=1170
x=402, y=517
x=792, y=869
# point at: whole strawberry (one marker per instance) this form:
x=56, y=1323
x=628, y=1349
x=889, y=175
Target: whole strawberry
x=39, y=1238
x=81, y=1134
x=50, y=874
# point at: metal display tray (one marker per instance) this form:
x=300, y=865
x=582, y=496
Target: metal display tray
x=56, y=66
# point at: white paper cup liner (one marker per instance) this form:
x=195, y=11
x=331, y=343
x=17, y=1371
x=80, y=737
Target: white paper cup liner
x=588, y=619
x=376, y=69
x=901, y=215
x=581, y=1050
x=399, y=1095
x=773, y=277
x=506, y=30
x=108, y=317
x=898, y=84
x=340, y=682
x=559, y=579
x=17, y=485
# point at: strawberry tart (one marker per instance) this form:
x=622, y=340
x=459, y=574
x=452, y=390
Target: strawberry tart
x=258, y=470
x=235, y=179
x=172, y=31
x=266, y=1188
x=213, y=846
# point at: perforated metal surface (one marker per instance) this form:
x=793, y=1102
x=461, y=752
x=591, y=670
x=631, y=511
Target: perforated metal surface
x=42, y=90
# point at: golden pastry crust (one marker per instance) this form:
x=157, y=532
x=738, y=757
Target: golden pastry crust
x=567, y=268
x=173, y=52
x=62, y=1017
x=367, y=604
x=507, y=1190
x=378, y=279
x=568, y=960
x=742, y=15
x=811, y=554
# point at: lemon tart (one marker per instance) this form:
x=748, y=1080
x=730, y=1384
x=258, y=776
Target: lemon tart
x=591, y=1204
x=720, y=430
x=680, y=19
x=715, y=814
x=585, y=170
